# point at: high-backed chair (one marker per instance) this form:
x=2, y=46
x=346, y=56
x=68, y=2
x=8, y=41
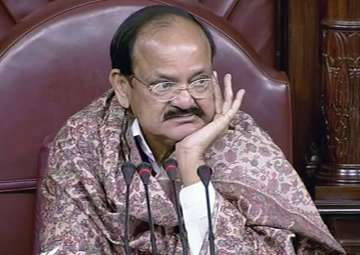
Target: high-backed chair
x=243, y=15
x=58, y=62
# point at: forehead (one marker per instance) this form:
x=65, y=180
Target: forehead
x=172, y=43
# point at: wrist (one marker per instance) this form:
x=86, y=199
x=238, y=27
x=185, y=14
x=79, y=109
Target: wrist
x=188, y=169
x=183, y=151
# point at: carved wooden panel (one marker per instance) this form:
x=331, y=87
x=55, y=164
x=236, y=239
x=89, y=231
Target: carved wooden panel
x=341, y=101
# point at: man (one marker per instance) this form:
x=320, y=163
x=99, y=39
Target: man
x=166, y=102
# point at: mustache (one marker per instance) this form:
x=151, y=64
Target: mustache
x=178, y=112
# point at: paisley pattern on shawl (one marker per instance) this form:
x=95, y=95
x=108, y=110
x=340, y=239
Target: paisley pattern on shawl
x=261, y=205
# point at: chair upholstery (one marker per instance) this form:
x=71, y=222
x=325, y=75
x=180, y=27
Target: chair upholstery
x=244, y=16
x=254, y=20
x=58, y=62
x=13, y=12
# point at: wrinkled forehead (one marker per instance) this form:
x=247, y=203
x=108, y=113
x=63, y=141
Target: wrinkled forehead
x=166, y=39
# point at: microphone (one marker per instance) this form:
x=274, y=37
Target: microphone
x=144, y=170
x=128, y=170
x=204, y=172
x=170, y=166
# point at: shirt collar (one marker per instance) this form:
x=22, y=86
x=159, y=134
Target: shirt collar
x=136, y=131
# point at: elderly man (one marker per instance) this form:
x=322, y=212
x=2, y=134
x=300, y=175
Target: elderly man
x=166, y=102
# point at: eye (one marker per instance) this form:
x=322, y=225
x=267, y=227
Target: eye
x=164, y=87
x=200, y=83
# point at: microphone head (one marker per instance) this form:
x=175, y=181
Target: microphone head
x=144, y=170
x=170, y=166
x=128, y=170
x=204, y=172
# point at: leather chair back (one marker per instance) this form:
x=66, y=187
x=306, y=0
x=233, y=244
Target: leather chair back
x=243, y=15
x=58, y=62
x=254, y=20
x=13, y=12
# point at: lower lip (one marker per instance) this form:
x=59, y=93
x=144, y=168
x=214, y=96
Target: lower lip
x=187, y=118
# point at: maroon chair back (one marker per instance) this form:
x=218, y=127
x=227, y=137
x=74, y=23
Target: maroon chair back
x=243, y=15
x=254, y=20
x=13, y=12
x=58, y=62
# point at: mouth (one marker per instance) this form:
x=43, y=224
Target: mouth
x=183, y=117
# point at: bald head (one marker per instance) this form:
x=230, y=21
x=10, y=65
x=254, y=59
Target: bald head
x=149, y=22
x=161, y=38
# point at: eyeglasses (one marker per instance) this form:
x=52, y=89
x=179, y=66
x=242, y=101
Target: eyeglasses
x=167, y=91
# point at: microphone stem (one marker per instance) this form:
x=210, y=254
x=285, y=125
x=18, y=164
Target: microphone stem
x=152, y=231
x=211, y=234
x=126, y=230
x=180, y=222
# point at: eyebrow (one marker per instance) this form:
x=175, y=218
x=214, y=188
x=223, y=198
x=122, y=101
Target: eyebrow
x=173, y=79
x=200, y=73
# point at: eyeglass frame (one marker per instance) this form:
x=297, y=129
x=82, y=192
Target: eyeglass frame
x=150, y=86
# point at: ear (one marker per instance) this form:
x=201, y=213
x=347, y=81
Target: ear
x=121, y=87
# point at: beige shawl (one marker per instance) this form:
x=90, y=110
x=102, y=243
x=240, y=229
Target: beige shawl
x=261, y=206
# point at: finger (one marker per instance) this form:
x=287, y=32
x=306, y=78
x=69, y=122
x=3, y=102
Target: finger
x=219, y=125
x=217, y=94
x=228, y=93
x=236, y=104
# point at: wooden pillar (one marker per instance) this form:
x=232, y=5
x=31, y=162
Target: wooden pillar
x=341, y=102
x=303, y=71
x=337, y=191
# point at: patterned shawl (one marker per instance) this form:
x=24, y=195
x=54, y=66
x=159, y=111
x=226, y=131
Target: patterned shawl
x=261, y=206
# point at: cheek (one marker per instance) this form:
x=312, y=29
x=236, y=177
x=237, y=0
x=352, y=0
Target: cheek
x=208, y=107
x=146, y=109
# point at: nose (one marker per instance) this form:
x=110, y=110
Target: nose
x=183, y=100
